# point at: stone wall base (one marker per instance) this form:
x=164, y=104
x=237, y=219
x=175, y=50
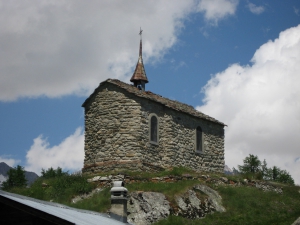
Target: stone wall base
x=120, y=166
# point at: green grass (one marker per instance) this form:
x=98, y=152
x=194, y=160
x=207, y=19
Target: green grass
x=100, y=202
x=244, y=205
x=60, y=189
x=175, y=171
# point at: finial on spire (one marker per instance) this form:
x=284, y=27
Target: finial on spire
x=141, y=31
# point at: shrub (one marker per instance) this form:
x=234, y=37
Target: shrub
x=67, y=185
x=254, y=169
x=51, y=173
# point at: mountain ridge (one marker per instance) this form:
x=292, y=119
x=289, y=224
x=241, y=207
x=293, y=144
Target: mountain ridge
x=4, y=168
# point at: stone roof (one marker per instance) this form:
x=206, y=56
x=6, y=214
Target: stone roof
x=175, y=105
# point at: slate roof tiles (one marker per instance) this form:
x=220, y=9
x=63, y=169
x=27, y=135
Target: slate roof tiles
x=175, y=105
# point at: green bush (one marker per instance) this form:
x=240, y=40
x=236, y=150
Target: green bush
x=51, y=173
x=254, y=169
x=63, y=187
x=60, y=187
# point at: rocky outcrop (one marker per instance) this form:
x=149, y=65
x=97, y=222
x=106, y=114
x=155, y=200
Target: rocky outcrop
x=267, y=187
x=106, y=181
x=214, y=198
x=147, y=207
x=192, y=207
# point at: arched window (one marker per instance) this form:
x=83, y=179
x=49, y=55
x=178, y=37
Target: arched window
x=199, y=144
x=153, y=123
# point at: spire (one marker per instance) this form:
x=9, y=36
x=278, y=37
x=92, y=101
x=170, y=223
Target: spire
x=140, y=53
x=139, y=77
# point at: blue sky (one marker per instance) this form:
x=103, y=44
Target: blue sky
x=236, y=60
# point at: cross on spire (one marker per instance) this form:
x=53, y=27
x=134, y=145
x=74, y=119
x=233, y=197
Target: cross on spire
x=141, y=31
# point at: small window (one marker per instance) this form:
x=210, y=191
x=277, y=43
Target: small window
x=153, y=129
x=199, y=139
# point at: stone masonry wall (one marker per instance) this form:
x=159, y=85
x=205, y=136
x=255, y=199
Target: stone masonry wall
x=117, y=135
x=177, y=140
x=112, y=128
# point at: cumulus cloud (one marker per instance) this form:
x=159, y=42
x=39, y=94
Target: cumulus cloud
x=260, y=104
x=255, y=9
x=214, y=10
x=9, y=161
x=55, y=48
x=69, y=154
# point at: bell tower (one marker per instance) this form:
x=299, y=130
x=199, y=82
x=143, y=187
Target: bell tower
x=139, y=77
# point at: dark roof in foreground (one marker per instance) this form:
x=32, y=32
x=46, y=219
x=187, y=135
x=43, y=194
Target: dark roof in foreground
x=175, y=105
x=55, y=212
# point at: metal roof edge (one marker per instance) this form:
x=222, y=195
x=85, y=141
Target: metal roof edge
x=55, y=211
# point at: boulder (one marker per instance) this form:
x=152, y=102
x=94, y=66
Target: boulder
x=145, y=208
x=297, y=222
x=214, y=197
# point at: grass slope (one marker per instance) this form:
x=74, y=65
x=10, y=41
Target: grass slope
x=247, y=205
x=244, y=205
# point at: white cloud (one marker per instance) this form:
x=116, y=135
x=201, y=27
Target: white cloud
x=261, y=104
x=255, y=9
x=214, y=10
x=69, y=154
x=9, y=161
x=296, y=11
x=177, y=65
x=56, y=48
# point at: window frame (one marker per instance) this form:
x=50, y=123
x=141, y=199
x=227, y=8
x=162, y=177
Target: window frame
x=201, y=150
x=150, y=129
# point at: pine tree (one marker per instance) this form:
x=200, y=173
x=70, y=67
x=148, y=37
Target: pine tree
x=16, y=178
x=251, y=164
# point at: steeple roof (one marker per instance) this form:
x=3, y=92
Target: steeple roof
x=139, y=72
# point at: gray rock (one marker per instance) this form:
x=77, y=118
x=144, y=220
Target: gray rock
x=214, y=197
x=189, y=205
x=96, y=178
x=194, y=201
x=297, y=222
x=224, y=179
x=147, y=207
x=104, y=179
x=181, y=204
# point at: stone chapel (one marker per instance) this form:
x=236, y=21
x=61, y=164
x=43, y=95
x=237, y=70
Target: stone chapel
x=129, y=128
